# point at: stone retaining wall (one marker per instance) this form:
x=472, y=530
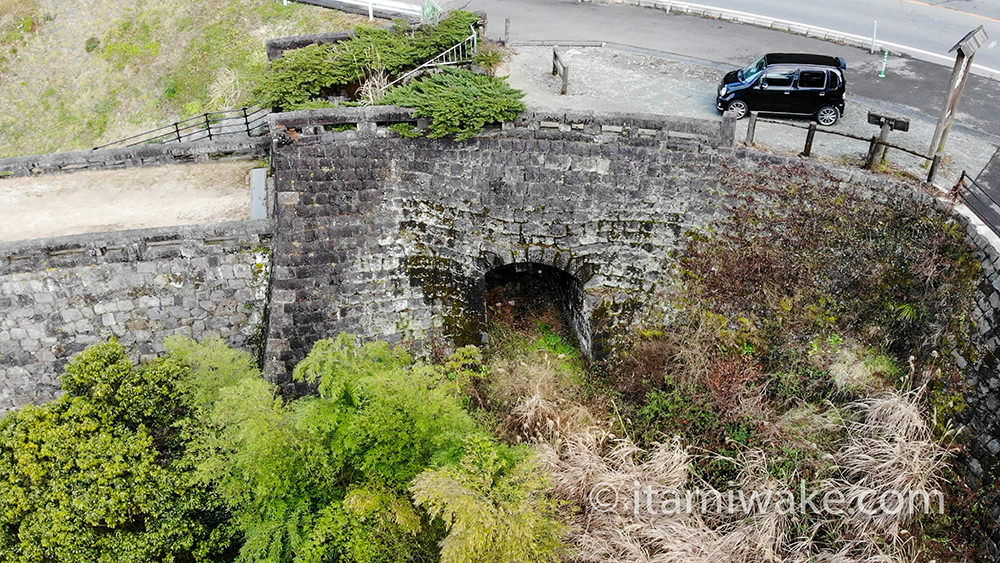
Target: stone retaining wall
x=277, y=46
x=57, y=296
x=157, y=154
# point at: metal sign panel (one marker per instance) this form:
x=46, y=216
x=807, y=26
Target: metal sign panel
x=971, y=42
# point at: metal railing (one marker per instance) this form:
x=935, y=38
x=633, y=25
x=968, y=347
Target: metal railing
x=207, y=126
x=460, y=53
x=873, y=146
x=984, y=205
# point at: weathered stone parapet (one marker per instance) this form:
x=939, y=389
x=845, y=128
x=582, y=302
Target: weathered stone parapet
x=630, y=128
x=158, y=154
x=277, y=46
x=57, y=296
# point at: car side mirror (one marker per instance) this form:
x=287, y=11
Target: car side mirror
x=762, y=86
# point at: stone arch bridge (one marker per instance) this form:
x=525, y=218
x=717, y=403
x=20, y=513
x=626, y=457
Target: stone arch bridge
x=398, y=239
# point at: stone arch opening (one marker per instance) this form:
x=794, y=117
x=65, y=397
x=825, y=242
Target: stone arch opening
x=524, y=288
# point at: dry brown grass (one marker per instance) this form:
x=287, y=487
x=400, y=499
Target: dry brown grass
x=889, y=448
x=537, y=399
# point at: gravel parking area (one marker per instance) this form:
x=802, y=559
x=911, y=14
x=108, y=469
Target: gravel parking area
x=606, y=79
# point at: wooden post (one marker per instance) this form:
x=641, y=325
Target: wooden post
x=876, y=152
x=246, y=121
x=208, y=127
x=964, y=51
x=177, y=131
x=870, y=161
x=560, y=68
x=809, y=139
x=934, y=167
x=883, y=137
x=751, y=128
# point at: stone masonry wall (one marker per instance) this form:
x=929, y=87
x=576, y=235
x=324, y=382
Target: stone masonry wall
x=392, y=238
x=57, y=296
x=981, y=466
x=157, y=154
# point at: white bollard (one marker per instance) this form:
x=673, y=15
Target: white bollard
x=874, y=33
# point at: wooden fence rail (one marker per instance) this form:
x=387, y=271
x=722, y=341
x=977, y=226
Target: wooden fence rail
x=560, y=68
x=874, y=142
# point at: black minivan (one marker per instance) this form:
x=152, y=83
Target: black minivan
x=787, y=83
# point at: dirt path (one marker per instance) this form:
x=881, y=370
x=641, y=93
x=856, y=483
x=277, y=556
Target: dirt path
x=89, y=202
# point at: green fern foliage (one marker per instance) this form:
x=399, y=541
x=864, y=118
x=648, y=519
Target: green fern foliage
x=325, y=478
x=495, y=507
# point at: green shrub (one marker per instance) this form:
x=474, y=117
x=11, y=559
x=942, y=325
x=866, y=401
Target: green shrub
x=304, y=74
x=406, y=130
x=459, y=102
x=104, y=474
x=489, y=57
x=325, y=478
x=496, y=508
x=677, y=410
x=91, y=44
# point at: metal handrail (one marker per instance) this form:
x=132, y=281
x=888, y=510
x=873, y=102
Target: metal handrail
x=456, y=54
x=989, y=203
x=241, y=120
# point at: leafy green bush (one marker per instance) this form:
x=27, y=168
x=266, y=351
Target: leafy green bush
x=460, y=102
x=496, y=508
x=103, y=474
x=304, y=74
x=677, y=410
x=325, y=478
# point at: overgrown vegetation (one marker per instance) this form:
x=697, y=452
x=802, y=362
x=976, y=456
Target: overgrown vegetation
x=791, y=321
x=807, y=346
x=105, y=472
x=317, y=71
x=91, y=76
x=18, y=20
x=459, y=102
x=358, y=70
x=195, y=457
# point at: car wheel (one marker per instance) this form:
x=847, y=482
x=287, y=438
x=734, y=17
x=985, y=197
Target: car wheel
x=738, y=108
x=827, y=115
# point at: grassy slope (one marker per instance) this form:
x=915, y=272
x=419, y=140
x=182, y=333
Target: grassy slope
x=150, y=62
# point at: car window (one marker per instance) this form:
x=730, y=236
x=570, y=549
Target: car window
x=750, y=72
x=834, y=80
x=779, y=78
x=812, y=79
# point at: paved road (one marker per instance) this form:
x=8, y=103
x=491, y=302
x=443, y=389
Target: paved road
x=933, y=27
x=912, y=88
